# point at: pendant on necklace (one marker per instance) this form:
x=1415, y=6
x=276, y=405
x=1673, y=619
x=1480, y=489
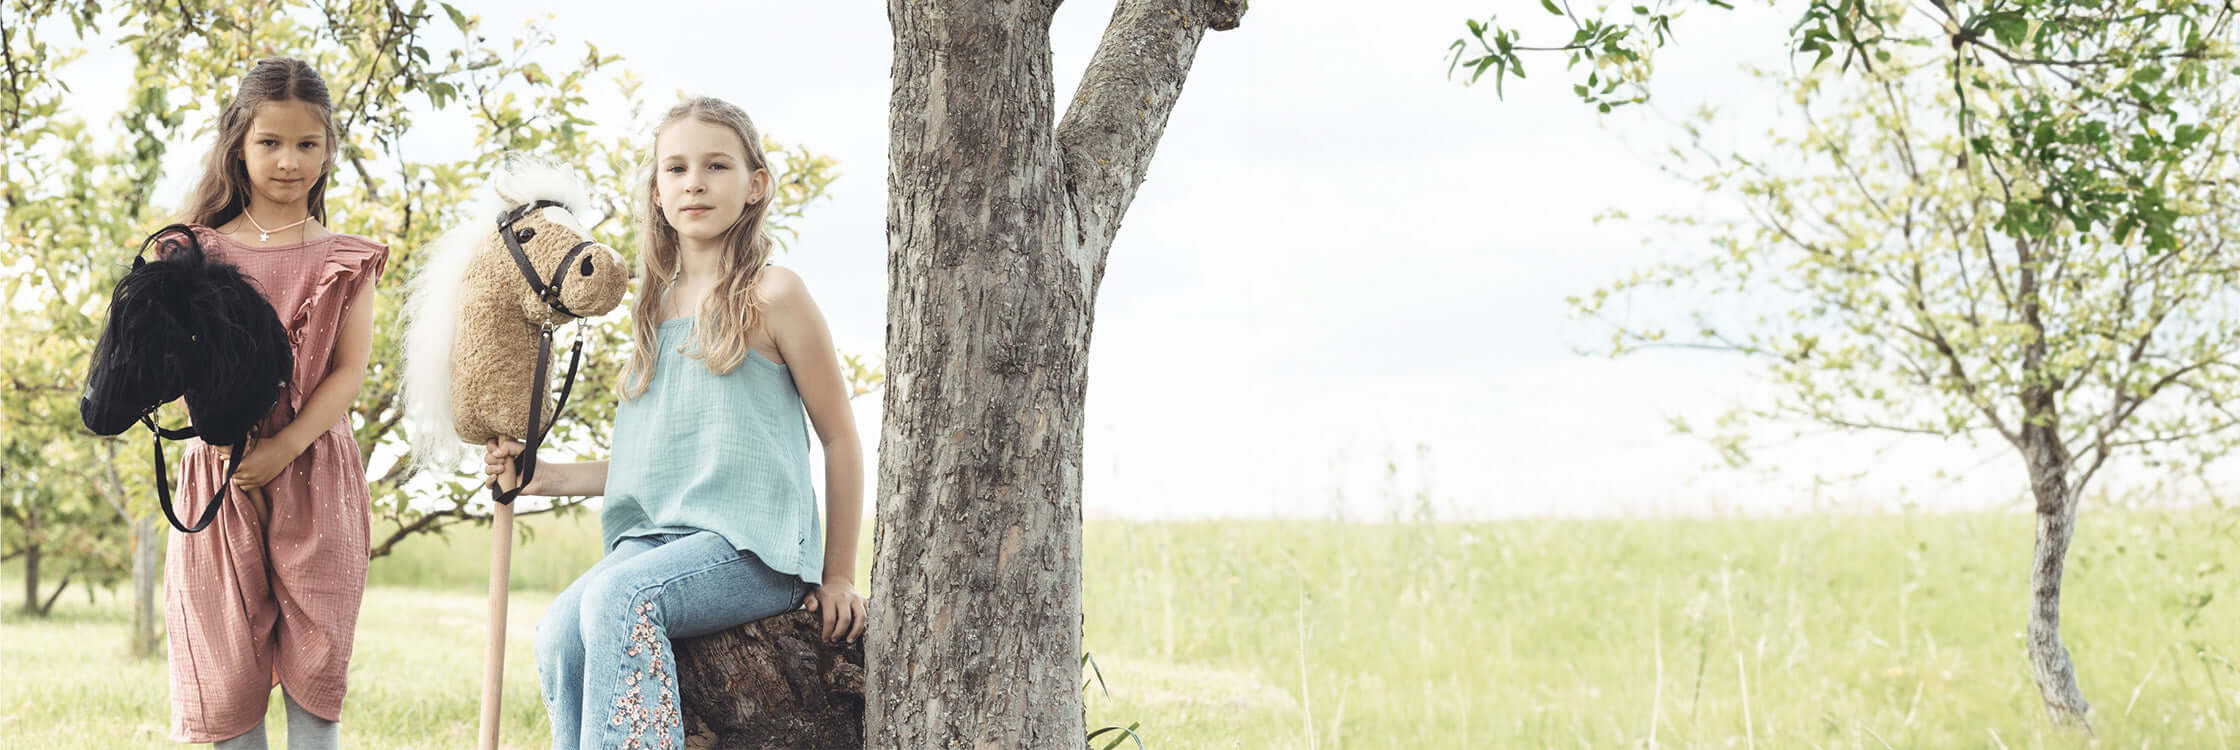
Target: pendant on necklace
x=264, y=236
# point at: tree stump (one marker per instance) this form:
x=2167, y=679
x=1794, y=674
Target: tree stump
x=773, y=684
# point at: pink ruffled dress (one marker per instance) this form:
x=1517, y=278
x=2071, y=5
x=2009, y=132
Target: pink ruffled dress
x=249, y=602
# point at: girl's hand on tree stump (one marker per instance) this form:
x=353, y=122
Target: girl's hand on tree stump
x=841, y=608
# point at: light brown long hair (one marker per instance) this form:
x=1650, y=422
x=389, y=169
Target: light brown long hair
x=734, y=306
x=223, y=192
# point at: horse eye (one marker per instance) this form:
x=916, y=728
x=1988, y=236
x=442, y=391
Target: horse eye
x=523, y=235
x=585, y=268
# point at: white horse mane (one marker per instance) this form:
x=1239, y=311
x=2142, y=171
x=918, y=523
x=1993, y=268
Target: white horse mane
x=432, y=308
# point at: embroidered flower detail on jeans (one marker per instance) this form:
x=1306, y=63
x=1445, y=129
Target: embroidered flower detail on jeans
x=630, y=709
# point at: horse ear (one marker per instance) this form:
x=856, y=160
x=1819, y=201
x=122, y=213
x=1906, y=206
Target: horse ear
x=508, y=171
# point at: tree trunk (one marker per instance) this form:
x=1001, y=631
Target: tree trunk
x=2057, y=518
x=998, y=225
x=147, y=560
x=771, y=684
x=2047, y=460
x=147, y=570
x=31, y=558
x=64, y=585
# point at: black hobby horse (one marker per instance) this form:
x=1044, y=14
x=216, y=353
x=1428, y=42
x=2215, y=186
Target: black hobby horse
x=185, y=325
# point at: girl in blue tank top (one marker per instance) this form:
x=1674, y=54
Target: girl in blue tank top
x=709, y=519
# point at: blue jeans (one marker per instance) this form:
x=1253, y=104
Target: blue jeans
x=603, y=652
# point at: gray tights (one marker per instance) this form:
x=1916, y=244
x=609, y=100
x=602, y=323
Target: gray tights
x=305, y=732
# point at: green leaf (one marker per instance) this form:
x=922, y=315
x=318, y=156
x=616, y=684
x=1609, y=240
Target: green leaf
x=2009, y=27
x=458, y=19
x=2187, y=135
x=1551, y=6
x=1126, y=733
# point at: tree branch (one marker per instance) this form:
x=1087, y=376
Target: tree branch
x=58, y=589
x=115, y=496
x=1111, y=128
x=1958, y=371
x=434, y=521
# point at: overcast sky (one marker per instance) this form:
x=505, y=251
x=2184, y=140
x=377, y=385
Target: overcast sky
x=1340, y=255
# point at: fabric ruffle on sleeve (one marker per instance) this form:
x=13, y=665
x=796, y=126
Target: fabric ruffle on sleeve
x=351, y=263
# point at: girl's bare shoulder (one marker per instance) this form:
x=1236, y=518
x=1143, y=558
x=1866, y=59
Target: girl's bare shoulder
x=779, y=285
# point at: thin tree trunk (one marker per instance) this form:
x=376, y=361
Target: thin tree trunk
x=56, y=594
x=2057, y=518
x=147, y=561
x=31, y=558
x=998, y=225
x=2049, y=659
x=2047, y=459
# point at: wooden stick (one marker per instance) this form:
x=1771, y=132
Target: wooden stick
x=494, y=660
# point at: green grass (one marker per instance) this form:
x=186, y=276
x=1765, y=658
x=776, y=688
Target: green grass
x=1813, y=632
x=1825, y=631
x=549, y=551
x=415, y=676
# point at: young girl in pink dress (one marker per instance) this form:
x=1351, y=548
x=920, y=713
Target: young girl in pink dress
x=269, y=592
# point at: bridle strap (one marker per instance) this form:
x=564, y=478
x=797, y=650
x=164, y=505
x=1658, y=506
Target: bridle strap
x=548, y=291
x=163, y=482
x=525, y=463
x=158, y=433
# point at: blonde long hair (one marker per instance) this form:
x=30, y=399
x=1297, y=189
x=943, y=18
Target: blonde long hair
x=734, y=306
x=223, y=192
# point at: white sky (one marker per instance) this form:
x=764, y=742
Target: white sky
x=1339, y=255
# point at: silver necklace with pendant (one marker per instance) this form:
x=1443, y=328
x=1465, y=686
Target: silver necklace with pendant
x=265, y=235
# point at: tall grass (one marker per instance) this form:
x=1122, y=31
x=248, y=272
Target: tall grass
x=1820, y=631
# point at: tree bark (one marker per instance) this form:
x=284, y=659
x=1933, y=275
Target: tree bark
x=147, y=560
x=2048, y=463
x=2049, y=659
x=998, y=225
x=147, y=570
x=2047, y=459
x=771, y=684
x=48, y=607
x=31, y=559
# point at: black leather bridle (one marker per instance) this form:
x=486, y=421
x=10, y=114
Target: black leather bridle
x=163, y=483
x=549, y=292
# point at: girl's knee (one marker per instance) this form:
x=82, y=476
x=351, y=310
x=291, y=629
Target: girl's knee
x=559, y=635
x=612, y=601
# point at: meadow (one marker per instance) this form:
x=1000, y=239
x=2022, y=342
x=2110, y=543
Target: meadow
x=1823, y=631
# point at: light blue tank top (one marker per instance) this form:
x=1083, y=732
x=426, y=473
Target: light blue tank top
x=725, y=453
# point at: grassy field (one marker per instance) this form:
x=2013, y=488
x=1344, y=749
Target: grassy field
x=1825, y=631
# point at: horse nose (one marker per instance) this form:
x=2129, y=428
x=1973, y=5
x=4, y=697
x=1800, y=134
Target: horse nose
x=584, y=269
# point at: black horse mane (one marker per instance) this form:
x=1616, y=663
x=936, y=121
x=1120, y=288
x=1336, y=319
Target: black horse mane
x=185, y=325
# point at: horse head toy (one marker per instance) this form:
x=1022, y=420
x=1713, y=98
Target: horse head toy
x=186, y=325
x=478, y=345
x=478, y=340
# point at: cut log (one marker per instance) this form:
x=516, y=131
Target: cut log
x=772, y=683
